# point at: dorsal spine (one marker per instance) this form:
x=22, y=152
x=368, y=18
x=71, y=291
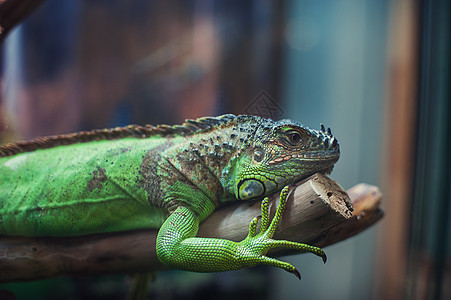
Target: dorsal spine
x=136, y=131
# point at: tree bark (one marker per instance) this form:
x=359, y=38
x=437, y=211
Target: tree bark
x=318, y=212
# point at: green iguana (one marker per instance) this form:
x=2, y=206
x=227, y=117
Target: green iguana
x=166, y=177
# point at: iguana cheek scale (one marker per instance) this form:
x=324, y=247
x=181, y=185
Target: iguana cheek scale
x=167, y=177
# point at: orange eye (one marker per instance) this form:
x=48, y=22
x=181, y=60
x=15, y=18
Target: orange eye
x=294, y=137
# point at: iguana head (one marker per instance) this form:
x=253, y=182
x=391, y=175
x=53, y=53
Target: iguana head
x=282, y=153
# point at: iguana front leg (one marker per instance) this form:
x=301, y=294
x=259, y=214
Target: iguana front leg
x=178, y=247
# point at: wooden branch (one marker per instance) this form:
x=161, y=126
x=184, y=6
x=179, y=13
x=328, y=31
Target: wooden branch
x=318, y=211
x=12, y=12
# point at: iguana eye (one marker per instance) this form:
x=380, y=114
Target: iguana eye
x=294, y=137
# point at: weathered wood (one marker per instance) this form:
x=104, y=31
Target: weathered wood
x=313, y=206
x=366, y=200
x=318, y=211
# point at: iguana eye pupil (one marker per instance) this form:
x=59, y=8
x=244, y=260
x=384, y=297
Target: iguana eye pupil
x=294, y=138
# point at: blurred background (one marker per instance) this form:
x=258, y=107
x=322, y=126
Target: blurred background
x=376, y=72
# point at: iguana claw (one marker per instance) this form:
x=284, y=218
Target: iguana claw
x=297, y=274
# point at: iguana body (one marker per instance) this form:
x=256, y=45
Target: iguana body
x=166, y=178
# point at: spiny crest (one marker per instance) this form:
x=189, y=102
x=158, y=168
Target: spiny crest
x=187, y=128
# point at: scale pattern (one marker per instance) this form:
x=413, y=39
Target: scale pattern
x=164, y=177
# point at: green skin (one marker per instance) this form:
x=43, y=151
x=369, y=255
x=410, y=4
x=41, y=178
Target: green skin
x=170, y=180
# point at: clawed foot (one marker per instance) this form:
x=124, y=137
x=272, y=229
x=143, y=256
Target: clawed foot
x=254, y=248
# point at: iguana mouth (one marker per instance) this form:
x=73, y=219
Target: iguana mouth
x=309, y=157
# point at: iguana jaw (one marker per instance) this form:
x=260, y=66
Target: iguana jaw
x=288, y=154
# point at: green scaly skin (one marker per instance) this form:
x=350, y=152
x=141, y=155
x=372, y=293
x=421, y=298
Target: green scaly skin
x=166, y=178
